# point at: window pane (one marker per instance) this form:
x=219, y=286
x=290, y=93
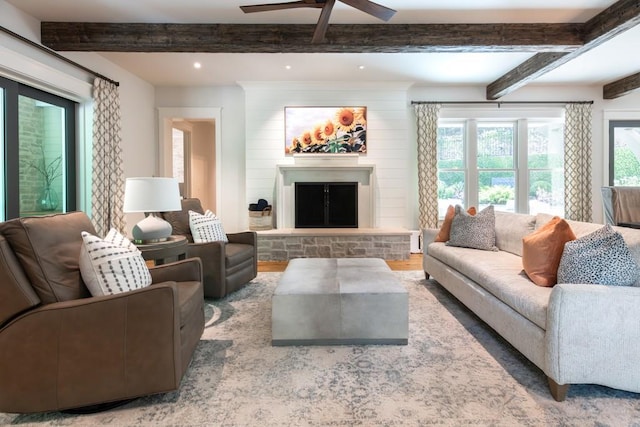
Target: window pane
x=496, y=144
x=546, y=145
x=41, y=148
x=626, y=155
x=497, y=188
x=546, y=192
x=450, y=190
x=451, y=146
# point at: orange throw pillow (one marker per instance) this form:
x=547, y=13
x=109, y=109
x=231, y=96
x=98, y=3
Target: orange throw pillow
x=542, y=250
x=445, y=228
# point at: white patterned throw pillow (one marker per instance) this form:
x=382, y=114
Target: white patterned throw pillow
x=601, y=257
x=473, y=231
x=206, y=228
x=112, y=265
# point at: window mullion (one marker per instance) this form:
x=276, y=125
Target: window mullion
x=471, y=152
x=522, y=171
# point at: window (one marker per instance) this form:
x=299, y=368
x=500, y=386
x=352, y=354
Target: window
x=514, y=165
x=39, y=151
x=624, y=152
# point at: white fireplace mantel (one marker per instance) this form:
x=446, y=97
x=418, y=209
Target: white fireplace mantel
x=327, y=168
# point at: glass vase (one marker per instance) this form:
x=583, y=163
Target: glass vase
x=48, y=200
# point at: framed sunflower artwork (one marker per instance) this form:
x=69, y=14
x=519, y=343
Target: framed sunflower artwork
x=325, y=130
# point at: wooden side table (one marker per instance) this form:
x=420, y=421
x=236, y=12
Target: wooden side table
x=174, y=247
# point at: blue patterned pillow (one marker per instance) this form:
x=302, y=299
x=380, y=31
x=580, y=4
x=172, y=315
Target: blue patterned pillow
x=601, y=257
x=473, y=231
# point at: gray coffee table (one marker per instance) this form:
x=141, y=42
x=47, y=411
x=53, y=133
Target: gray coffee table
x=330, y=301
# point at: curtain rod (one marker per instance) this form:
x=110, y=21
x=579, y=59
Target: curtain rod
x=57, y=55
x=501, y=102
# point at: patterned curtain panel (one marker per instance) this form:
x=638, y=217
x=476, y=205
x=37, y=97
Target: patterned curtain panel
x=577, y=162
x=108, y=181
x=427, y=118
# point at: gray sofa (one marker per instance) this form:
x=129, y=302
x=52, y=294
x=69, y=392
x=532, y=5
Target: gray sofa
x=575, y=333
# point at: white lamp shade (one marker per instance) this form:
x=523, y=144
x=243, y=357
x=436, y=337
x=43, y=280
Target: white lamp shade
x=151, y=194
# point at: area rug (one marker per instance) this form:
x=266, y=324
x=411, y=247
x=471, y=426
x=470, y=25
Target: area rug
x=454, y=371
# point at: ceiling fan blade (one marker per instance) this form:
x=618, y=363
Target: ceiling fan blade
x=323, y=22
x=279, y=6
x=375, y=9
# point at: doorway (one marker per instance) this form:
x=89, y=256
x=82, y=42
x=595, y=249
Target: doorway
x=190, y=151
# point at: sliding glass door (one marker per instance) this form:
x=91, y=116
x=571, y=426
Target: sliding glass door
x=38, y=140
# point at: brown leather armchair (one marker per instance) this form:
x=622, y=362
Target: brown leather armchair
x=226, y=266
x=62, y=348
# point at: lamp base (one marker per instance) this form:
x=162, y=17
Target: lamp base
x=152, y=229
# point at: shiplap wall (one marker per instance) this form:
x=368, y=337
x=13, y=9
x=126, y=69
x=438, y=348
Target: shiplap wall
x=389, y=145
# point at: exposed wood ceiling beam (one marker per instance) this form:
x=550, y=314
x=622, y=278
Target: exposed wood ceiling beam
x=277, y=38
x=621, y=87
x=617, y=18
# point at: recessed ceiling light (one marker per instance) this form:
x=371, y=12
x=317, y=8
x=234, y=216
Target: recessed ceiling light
x=361, y=67
x=197, y=65
x=288, y=67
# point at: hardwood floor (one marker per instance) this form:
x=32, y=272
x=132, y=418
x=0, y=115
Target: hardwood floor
x=413, y=263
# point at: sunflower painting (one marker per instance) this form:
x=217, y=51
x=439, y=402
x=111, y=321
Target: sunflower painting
x=325, y=130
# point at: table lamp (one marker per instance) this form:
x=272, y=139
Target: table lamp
x=151, y=195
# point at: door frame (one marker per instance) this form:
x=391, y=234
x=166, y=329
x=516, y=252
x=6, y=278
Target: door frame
x=165, y=125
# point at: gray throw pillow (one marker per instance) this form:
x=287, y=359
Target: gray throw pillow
x=473, y=231
x=601, y=257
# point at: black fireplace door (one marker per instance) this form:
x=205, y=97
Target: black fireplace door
x=326, y=205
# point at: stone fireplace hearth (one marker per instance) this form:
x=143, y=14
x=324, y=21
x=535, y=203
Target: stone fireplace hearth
x=286, y=242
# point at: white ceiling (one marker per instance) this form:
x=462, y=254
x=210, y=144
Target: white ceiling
x=611, y=61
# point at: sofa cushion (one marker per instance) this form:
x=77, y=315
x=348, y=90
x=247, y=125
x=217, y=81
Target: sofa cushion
x=16, y=293
x=542, y=250
x=499, y=273
x=206, y=228
x=112, y=265
x=511, y=228
x=179, y=220
x=477, y=232
x=601, y=257
x=48, y=248
x=445, y=228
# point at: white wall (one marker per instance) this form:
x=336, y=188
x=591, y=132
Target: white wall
x=230, y=99
x=252, y=121
x=389, y=145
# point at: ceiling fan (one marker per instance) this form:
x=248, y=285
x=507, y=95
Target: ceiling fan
x=367, y=6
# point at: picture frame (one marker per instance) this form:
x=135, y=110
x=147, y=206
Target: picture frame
x=321, y=130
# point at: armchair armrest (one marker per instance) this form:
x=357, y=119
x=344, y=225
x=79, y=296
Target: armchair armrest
x=92, y=350
x=180, y=271
x=593, y=335
x=246, y=237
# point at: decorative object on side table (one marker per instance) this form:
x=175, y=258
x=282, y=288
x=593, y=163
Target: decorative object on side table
x=151, y=195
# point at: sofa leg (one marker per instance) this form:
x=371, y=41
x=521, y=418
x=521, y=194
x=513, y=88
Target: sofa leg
x=558, y=391
x=426, y=275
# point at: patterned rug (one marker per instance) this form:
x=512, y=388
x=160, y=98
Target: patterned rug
x=455, y=371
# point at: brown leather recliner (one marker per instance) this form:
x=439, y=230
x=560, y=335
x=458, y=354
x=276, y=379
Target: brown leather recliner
x=60, y=348
x=226, y=266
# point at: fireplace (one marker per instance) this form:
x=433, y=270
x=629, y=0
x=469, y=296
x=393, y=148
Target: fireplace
x=327, y=168
x=326, y=205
